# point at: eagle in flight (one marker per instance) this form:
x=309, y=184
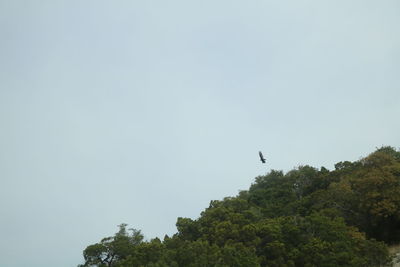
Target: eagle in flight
x=261, y=157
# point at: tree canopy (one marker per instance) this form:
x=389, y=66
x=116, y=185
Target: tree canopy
x=305, y=217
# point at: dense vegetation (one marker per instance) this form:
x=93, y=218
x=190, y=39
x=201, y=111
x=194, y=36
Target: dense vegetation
x=306, y=217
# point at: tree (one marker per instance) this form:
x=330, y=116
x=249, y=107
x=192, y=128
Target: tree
x=112, y=249
x=306, y=217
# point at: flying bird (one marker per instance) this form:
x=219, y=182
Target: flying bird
x=261, y=157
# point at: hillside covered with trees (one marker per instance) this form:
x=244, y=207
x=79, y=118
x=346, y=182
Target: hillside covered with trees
x=305, y=217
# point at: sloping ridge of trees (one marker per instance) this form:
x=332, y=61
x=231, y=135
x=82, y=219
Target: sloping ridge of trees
x=305, y=217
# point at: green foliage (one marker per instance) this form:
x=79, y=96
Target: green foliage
x=110, y=250
x=306, y=217
x=367, y=194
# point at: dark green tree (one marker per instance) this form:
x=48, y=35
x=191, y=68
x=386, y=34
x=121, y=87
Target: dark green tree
x=110, y=250
x=306, y=217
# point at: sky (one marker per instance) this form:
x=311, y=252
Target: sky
x=140, y=112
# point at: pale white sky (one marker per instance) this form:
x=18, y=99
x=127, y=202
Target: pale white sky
x=143, y=111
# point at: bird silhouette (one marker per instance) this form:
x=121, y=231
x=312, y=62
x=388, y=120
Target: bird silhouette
x=261, y=157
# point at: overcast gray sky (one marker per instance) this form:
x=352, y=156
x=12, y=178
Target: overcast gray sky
x=143, y=111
